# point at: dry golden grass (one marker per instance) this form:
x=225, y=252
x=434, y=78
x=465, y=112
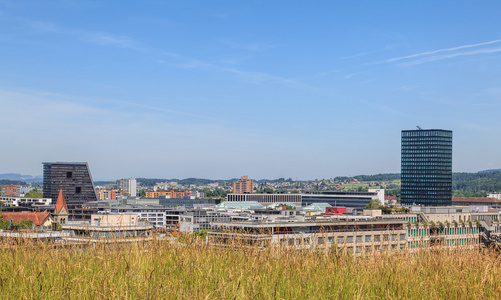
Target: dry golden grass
x=164, y=270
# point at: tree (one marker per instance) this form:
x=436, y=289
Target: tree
x=34, y=193
x=385, y=209
x=374, y=203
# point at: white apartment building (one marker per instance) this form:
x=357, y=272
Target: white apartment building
x=129, y=186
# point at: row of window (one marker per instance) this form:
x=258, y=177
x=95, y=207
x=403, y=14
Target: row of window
x=427, y=133
x=344, y=240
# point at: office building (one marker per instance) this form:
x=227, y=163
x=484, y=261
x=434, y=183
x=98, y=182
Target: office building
x=426, y=167
x=73, y=178
x=243, y=186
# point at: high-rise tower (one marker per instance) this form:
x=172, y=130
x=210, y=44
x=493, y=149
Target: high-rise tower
x=427, y=167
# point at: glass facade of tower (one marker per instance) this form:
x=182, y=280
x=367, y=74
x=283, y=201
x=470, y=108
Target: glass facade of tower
x=427, y=167
x=73, y=178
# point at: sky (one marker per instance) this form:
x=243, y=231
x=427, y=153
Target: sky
x=268, y=89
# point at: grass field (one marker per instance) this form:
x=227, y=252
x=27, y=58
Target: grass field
x=161, y=270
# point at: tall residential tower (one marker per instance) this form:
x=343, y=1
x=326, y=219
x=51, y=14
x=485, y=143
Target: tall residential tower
x=427, y=167
x=243, y=186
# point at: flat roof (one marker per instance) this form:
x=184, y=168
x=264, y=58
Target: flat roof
x=410, y=130
x=331, y=222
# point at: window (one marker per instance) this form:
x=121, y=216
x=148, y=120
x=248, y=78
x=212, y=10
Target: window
x=402, y=237
x=359, y=238
x=69, y=174
x=78, y=190
x=368, y=238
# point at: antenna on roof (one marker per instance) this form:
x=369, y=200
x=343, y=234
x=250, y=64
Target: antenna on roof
x=419, y=128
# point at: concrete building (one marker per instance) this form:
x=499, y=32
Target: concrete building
x=129, y=186
x=243, y=186
x=10, y=191
x=488, y=201
x=117, y=227
x=108, y=194
x=426, y=167
x=168, y=194
x=495, y=195
x=170, y=202
x=352, y=235
x=25, y=202
x=266, y=199
x=351, y=200
x=151, y=214
x=379, y=195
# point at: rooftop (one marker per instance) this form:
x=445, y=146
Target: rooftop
x=38, y=218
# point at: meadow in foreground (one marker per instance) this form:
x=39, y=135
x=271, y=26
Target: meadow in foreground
x=165, y=270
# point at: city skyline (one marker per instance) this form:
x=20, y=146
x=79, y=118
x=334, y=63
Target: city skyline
x=269, y=90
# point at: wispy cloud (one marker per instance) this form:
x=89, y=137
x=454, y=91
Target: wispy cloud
x=99, y=38
x=165, y=57
x=452, y=55
x=446, y=53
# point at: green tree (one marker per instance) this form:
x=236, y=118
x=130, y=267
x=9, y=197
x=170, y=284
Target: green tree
x=34, y=193
x=374, y=203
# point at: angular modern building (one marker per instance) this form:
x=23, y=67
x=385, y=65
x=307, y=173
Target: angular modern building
x=426, y=167
x=73, y=178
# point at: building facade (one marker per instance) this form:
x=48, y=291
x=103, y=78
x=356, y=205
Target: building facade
x=10, y=191
x=129, y=186
x=426, y=167
x=350, y=200
x=266, y=199
x=243, y=186
x=73, y=178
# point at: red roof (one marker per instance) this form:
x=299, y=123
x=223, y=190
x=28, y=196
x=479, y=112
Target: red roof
x=60, y=203
x=37, y=218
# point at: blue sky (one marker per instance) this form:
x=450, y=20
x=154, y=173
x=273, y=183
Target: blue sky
x=221, y=89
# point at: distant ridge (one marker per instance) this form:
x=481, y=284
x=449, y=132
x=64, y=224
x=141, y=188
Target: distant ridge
x=490, y=171
x=20, y=177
